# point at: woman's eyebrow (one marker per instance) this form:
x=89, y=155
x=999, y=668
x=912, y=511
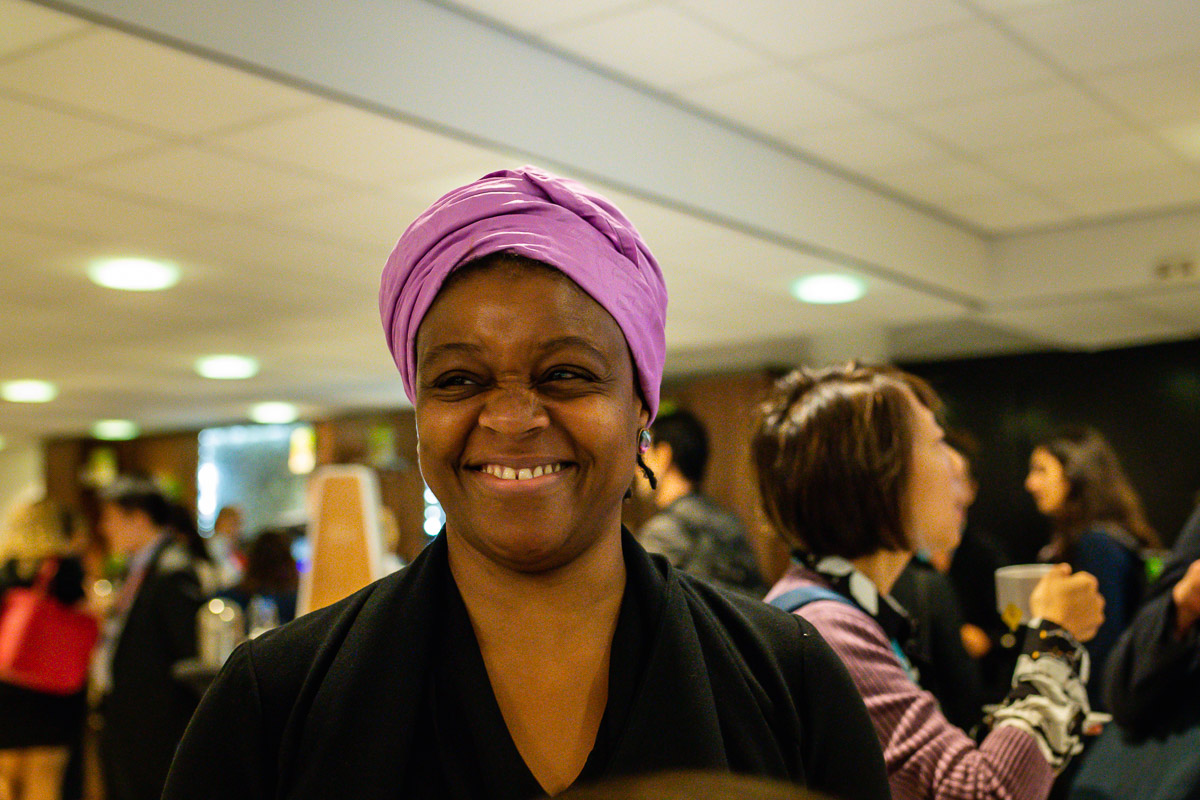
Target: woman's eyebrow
x=448, y=349
x=566, y=342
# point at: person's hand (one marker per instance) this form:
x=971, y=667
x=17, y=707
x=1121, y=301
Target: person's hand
x=1186, y=595
x=1069, y=600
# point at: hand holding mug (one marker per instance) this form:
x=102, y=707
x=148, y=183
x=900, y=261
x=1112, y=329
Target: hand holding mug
x=1069, y=600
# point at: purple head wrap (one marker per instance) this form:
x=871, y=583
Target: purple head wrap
x=534, y=214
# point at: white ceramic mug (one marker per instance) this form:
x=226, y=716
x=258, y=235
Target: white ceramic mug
x=1014, y=585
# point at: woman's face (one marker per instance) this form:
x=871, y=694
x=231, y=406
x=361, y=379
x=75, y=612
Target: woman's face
x=934, y=503
x=1047, y=482
x=527, y=416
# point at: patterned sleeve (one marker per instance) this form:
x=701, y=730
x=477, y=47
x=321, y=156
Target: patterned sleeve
x=1048, y=699
x=926, y=756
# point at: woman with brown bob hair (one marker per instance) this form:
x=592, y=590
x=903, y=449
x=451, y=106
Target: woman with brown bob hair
x=1077, y=481
x=856, y=475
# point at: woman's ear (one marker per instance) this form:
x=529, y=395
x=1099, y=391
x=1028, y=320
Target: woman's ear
x=644, y=416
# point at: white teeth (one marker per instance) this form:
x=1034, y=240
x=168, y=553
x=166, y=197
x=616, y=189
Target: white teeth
x=523, y=474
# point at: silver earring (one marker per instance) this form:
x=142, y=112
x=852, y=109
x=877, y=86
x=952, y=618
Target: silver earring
x=644, y=441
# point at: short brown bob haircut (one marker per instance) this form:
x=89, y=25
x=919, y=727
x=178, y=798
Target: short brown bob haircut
x=832, y=454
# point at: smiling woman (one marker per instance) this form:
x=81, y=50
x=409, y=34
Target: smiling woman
x=534, y=644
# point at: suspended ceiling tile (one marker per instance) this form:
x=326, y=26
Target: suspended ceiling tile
x=99, y=216
x=1150, y=191
x=1161, y=92
x=796, y=29
x=1007, y=211
x=1099, y=34
x=1085, y=323
x=11, y=183
x=24, y=252
x=195, y=178
x=39, y=140
x=1185, y=140
x=372, y=218
x=1081, y=159
x=965, y=62
x=24, y=25
x=536, y=16
x=946, y=180
x=353, y=145
x=1011, y=7
x=137, y=81
x=868, y=146
x=774, y=100
x=659, y=46
x=1017, y=118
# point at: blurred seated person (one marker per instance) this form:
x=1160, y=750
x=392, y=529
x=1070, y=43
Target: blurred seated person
x=390, y=532
x=226, y=546
x=971, y=568
x=183, y=523
x=856, y=476
x=690, y=529
x=944, y=666
x=270, y=574
x=1152, y=683
x=38, y=728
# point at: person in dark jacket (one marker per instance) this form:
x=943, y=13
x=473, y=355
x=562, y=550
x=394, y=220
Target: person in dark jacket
x=151, y=626
x=690, y=529
x=1152, y=681
x=533, y=644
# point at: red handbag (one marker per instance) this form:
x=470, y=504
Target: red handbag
x=44, y=645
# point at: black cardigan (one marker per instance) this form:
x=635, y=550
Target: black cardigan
x=332, y=705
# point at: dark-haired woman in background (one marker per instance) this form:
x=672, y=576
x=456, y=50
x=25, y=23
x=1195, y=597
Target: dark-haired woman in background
x=1098, y=526
x=271, y=574
x=856, y=476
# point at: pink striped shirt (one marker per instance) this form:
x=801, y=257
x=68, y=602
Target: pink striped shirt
x=926, y=756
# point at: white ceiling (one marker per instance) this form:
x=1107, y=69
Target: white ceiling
x=1005, y=174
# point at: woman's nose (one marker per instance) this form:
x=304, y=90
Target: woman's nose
x=513, y=410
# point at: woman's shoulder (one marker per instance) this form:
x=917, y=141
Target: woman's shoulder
x=328, y=625
x=764, y=634
x=1108, y=541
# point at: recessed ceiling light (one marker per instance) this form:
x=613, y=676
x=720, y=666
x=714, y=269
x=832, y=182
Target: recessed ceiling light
x=28, y=391
x=828, y=289
x=226, y=367
x=274, y=413
x=134, y=274
x=115, y=430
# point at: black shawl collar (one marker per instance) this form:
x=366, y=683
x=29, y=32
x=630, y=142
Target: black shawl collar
x=353, y=725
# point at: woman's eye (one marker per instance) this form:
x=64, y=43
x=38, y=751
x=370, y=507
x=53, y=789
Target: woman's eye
x=454, y=381
x=565, y=374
